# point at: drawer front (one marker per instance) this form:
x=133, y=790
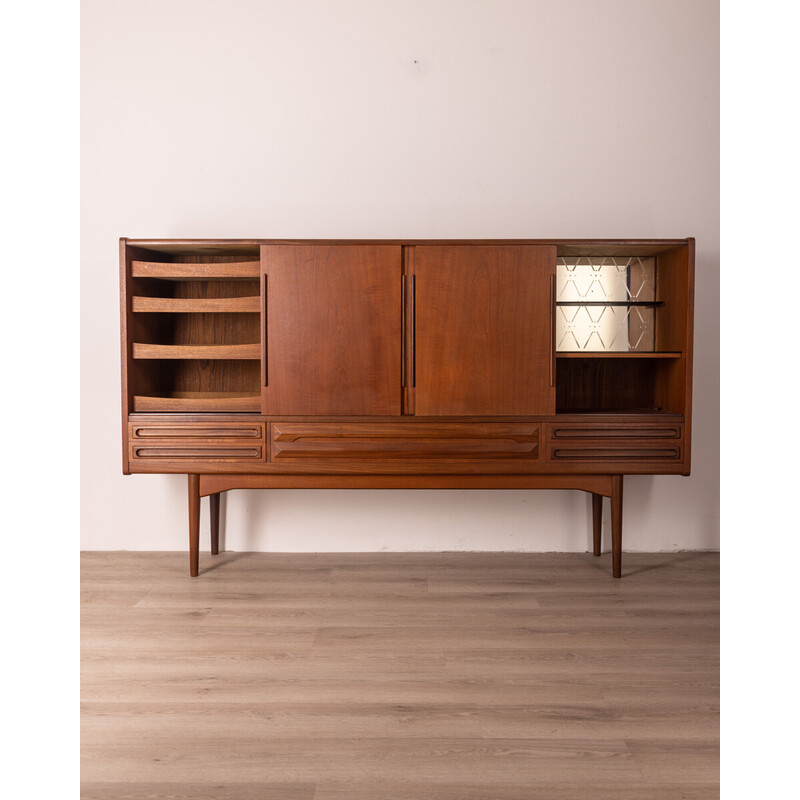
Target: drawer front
x=173, y=451
x=615, y=453
x=196, y=442
x=637, y=431
x=615, y=442
x=201, y=431
x=355, y=441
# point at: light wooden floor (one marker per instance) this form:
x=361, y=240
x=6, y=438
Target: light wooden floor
x=394, y=675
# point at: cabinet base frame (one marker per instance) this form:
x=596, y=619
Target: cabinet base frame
x=599, y=486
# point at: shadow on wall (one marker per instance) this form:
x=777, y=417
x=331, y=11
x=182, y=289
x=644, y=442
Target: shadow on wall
x=405, y=520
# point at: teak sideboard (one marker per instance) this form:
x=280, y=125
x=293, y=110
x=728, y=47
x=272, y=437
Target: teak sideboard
x=420, y=364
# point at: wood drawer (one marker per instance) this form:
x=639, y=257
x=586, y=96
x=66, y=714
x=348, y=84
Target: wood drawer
x=201, y=431
x=199, y=442
x=615, y=453
x=605, y=430
x=171, y=451
x=615, y=442
x=356, y=441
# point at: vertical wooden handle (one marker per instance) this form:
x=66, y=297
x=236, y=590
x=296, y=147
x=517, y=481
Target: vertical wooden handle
x=413, y=330
x=402, y=330
x=552, y=330
x=264, y=366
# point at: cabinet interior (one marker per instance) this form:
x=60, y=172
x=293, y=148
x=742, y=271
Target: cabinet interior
x=640, y=368
x=195, y=332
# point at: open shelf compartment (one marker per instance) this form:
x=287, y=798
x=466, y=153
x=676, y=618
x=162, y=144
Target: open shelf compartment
x=194, y=332
x=617, y=347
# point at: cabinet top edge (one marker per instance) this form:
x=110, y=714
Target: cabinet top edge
x=565, y=247
x=612, y=417
x=258, y=242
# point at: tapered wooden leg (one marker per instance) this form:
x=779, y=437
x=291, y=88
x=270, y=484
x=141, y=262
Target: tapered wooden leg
x=597, y=521
x=213, y=502
x=194, y=524
x=616, y=524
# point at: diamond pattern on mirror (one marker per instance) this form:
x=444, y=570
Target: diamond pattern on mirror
x=605, y=279
x=605, y=328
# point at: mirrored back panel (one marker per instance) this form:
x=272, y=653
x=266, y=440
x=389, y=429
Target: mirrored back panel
x=605, y=304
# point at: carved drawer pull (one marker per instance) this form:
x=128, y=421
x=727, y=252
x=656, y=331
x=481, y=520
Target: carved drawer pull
x=179, y=453
x=616, y=454
x=622, y=432
x=196, y=432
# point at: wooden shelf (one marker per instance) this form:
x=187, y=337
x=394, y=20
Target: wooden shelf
x=608, y=354
x=181, y=305
x=222, y=270
x=199, y=401
x=197, y=351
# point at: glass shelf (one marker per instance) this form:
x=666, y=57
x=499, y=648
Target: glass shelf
x=618, y=354
x=629, y=303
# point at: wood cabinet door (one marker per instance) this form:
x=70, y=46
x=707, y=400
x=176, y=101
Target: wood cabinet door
x=331, y=318
x=484, y=329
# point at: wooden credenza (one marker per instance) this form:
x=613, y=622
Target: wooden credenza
x=557, y=364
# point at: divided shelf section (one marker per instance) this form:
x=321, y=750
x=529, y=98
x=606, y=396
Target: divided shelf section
x=196, y=335
x=617, y=349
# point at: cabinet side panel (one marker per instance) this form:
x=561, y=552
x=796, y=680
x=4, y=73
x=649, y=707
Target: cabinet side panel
x=689, y=357
x=674, y=332
x=125, y=350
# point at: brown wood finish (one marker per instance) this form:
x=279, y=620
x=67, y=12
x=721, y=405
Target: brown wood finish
x=609, y=430
x=616, y=525
x=483, y=332
x=198, y=443
x=211, y=351
x=358, y=440
x=408, y=324
x=199, y=401
x=590, y=384
x=186, y=453
x=213, y=305
x=190, y=327
x=194, y=524
x=213, y=506
x=197, y=430
x=412, y=447
x=582, y=420
x=126, y=357
x=256, y=363
x=333, y=329
x=612, y=443
x=597, y=524
x=204, y=270
x=211, y=483
x=676, y=330
x=414, y=470
x=135, y=375
x=608, y=454
x=249, y=247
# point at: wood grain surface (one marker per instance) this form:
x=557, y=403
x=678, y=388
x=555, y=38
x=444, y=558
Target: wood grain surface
x=482, y=331
x=333, y=326
x=413, y=676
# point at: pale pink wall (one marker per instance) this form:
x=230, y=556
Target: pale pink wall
x=251, y=118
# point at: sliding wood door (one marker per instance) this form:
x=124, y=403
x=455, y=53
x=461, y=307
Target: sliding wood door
x=484, y=329
x=331, y=321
